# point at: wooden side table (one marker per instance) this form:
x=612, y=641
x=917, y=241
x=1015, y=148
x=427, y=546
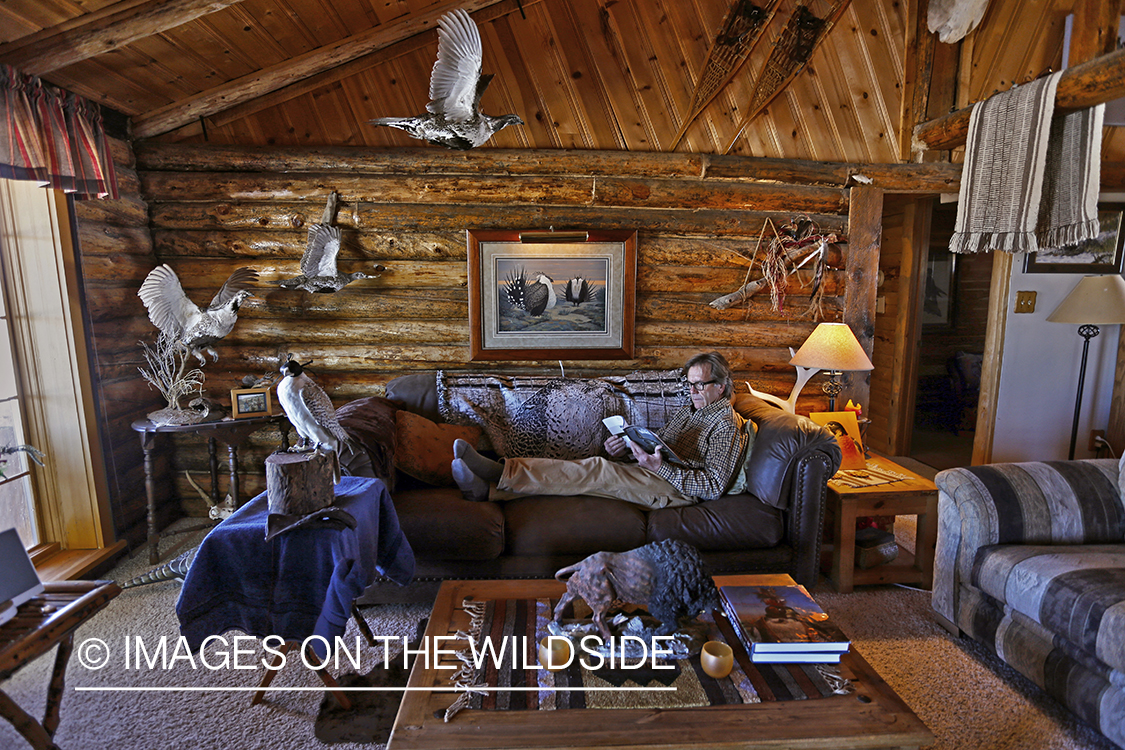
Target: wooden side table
x=914, y=495
x=231, y=432
x=41, y=622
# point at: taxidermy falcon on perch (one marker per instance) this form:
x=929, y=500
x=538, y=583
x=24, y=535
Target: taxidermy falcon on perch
x=318, y=265
x=182, y=320
x=310, y=412
x=453, y=118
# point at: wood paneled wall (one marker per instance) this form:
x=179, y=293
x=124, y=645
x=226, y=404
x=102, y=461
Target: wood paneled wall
x=213, y=210
x=113, y=240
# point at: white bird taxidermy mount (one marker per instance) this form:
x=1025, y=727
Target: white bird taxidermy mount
x=952, y=20
x=311, y=413
x=453, y=118
x=182, y=320
x=804, y=374
x=319, y=274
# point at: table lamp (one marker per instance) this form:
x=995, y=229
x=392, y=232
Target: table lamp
x=1096, y=300
x=831, y=347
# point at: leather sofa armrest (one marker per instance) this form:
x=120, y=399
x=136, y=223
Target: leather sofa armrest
x=805, y=512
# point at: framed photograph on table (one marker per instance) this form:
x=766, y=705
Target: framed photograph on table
x=551, y=295
x=250, y=402
x=1102, y=255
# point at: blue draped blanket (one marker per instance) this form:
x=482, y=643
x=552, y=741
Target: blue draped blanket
x=300, y=583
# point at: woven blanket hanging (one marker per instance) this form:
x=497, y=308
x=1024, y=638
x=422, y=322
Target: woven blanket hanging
x=741, y=28
x=790, y=54
x=1029, y=180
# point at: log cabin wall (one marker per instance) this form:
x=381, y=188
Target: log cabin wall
x=114, y=246
x=698, y=219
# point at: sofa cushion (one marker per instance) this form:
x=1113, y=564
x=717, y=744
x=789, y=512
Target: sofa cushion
x=580, y=525
x=371, y=423
x=442, y=525
x=730, y=522
x=424, y=449
x=782, y=439
x=416, y=393
x=1076, y=591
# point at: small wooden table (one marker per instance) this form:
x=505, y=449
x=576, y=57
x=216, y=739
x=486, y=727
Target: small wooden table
x=871, y=717
x=231, y=432
x=41, y=622
x=914, y=495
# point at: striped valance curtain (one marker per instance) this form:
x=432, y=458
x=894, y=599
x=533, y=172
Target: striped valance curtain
x=53, y=137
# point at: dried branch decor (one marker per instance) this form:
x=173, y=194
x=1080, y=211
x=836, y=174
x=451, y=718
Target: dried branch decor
x=795, y=245
x=167, y=372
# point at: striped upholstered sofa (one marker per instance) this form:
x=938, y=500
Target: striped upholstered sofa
x=1031, y=563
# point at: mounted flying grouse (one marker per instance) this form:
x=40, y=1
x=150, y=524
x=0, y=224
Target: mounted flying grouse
x=179, y=318
x=318, y=265
x=453, y=118
x=310, y=412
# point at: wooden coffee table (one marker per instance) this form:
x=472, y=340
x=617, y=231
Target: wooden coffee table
x=871, y=717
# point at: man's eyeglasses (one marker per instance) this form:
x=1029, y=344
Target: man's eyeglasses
x=699, y=386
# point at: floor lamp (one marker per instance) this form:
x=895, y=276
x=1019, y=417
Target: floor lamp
x=1097, y=300
x=834, y=348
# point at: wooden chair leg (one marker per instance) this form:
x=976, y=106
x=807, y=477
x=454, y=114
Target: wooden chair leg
x=271, y=672
x=55, y=689
x=363, y=626
x=31, y=729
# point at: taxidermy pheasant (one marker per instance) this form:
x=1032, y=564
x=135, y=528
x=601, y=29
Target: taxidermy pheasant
x=182, y=320
x=318, y=265
x=453, y=118
x=310, y=412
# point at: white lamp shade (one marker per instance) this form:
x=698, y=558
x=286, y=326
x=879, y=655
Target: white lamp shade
x=832, y=346
x=1097, y=300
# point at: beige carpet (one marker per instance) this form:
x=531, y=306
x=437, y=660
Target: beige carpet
x=968, y=698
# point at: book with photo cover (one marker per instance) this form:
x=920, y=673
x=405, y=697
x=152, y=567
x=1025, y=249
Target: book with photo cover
x=644, y=437
x=781, y=619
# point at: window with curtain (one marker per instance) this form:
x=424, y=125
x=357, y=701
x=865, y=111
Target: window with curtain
x=17, y=507
x=53, y=137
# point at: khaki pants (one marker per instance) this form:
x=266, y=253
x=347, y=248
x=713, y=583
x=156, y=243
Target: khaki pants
x=588, y=476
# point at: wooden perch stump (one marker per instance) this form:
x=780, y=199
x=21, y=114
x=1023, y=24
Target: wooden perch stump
x=299, y=483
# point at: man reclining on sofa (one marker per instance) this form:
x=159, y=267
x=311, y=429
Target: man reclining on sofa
x=708, y=434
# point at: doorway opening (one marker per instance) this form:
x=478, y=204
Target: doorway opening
x=954, y=320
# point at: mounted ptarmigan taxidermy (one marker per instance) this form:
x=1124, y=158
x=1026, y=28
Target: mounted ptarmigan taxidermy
x=953, y=20
x=179, y=318
x=318, y=265
x=453, y=118
x=310, y=412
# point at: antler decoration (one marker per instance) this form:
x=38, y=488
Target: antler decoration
x=790, y=249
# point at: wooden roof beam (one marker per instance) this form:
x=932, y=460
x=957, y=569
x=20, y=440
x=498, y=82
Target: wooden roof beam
x=1094, y=82
x=102, y=31
x=278, y=76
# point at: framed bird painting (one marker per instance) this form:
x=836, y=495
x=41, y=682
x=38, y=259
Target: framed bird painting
x=551, y=295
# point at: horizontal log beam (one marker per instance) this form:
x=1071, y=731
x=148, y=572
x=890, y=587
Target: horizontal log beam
x=613, y=192
x=1093, y=82
x=416, y=217
x=908, y=178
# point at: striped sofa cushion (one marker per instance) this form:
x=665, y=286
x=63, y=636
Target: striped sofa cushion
x=1075, y=591
x=1048, y=502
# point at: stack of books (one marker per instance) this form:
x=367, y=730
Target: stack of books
x=782, y=624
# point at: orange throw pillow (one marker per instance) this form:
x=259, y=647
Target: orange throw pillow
x=424, y=449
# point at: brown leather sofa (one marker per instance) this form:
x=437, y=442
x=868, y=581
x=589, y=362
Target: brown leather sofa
x=775, y=527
